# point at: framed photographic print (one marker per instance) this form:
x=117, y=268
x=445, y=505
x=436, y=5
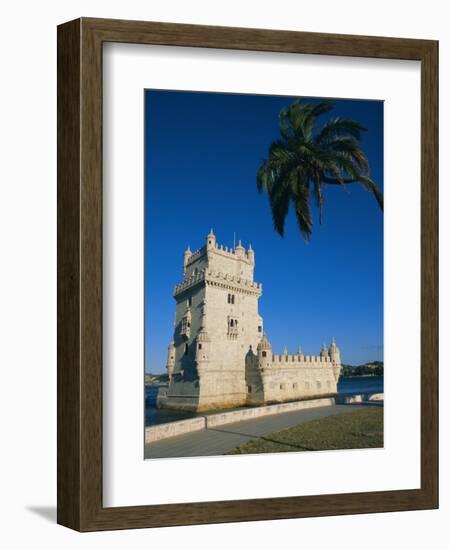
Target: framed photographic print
x=247, y=274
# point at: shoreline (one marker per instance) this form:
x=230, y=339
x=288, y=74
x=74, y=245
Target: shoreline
x=363, y=376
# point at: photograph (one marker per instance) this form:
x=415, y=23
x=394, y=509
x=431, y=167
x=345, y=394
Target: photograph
x=263, y=274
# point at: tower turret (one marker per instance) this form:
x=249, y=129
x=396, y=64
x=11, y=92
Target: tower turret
x=211, y=240
x=251, y=254
x=264, y=352
x=324, y=351
x=335, y=358
x=170, y=359
x=187, y=256
x=239, y=250
x=334, y=352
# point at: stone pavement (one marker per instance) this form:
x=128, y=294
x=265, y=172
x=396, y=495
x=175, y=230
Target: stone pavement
x=219, y=440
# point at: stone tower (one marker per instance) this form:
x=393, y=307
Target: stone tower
x=216, y=323
x=220, y=356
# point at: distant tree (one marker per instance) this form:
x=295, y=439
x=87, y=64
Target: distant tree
x=307, y=158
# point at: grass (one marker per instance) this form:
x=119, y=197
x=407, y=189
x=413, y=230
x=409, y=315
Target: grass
x=358, y=429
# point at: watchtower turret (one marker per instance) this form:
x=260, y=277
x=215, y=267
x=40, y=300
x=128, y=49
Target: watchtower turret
x=324, y=351
x=264, y=352
x=251, y=254
x=335, y=358
x=187, y=256
x=334, y=352
x=239, y=250
x=211, y=240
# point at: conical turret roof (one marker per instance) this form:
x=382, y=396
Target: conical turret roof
x=264, y=343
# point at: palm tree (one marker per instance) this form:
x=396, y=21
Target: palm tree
x=307, y=158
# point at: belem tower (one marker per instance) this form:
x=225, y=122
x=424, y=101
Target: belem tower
x=220, y=356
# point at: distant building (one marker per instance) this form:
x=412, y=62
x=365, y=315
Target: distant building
x=219, y=356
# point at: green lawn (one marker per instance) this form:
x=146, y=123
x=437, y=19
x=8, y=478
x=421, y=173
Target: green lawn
x=349, y=430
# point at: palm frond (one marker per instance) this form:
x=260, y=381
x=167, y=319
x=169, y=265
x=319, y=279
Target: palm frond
x=302, y=213
x=339, y=126
x=310, y=116
x=369, y=185
x=279, y=198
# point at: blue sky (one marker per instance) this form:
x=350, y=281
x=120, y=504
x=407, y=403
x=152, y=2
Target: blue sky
x=202, y=152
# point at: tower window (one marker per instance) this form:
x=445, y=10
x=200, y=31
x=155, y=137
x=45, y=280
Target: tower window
x=264, y=354
x=185, y=326
x=259, y=328
x=232, y=327
x=189, y=302
x=200, y=346
x=186, y=349
x=231, y=298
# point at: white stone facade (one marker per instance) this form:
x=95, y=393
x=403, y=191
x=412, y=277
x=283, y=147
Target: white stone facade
x=219, y=356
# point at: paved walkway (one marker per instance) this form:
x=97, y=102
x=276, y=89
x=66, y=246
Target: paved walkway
x=220, y=439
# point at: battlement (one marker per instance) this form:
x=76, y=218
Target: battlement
x=300, y=358
x=217, y=278
x=229, y=267
x=195, y=255
x=239, y=253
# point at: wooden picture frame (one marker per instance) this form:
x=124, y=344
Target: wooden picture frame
x=80, y=504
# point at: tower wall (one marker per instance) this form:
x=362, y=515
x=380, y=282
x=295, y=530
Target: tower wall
x=224, y=383
x=185, y=361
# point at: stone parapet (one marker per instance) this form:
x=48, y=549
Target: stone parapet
x=299, y=359
x=171, y=429
x=217, y=278
x=221, y=419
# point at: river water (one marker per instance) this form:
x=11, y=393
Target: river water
x=350, y=385
x=347, y=386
